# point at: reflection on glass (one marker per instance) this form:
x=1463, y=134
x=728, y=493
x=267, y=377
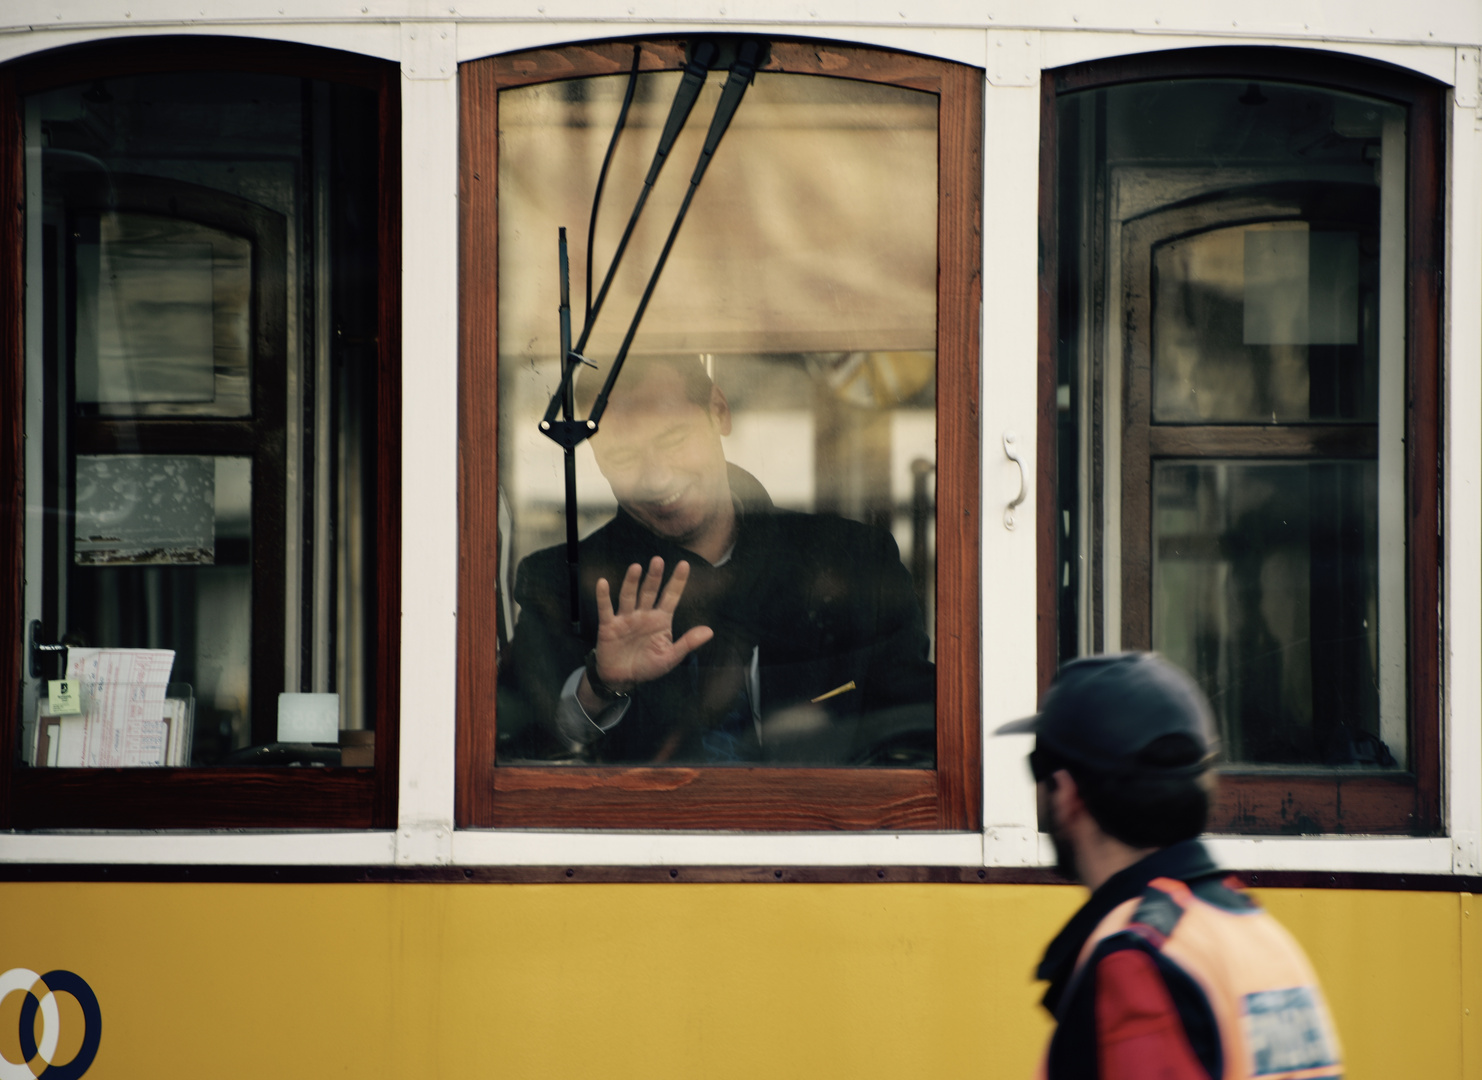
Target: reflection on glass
x=1265, y=587
x=774, y=427
x=1232, y=285
x=162, y=316
x=1269, y=323
x=140, y=510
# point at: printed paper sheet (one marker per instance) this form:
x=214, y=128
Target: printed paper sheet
x=123, y=700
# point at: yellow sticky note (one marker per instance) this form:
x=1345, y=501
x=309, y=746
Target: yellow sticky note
x=65, y=699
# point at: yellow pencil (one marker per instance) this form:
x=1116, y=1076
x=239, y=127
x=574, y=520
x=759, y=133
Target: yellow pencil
x=835, y=692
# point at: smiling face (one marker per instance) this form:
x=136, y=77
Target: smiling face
x=662, y=454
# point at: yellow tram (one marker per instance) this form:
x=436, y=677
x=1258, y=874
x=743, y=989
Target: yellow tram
x=1022, y=332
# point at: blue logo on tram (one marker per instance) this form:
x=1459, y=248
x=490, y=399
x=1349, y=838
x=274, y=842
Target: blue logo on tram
x=41, y=997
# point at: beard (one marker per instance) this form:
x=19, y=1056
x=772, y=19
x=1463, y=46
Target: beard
x=1065, y=864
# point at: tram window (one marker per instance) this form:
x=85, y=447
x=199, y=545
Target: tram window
x=1248, y=361
x=206, y=437
x=777, y=426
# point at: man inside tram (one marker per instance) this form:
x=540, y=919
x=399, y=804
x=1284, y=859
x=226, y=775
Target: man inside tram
x=1169, y=969
x=714, y=627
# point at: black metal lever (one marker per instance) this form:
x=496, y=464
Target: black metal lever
x=750, y=55
x=37, y=647
x=567, y=432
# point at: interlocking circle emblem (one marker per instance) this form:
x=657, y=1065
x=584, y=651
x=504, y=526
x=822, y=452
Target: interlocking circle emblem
x=50, y=985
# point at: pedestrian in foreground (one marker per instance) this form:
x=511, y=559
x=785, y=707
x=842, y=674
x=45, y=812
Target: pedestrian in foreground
x=1169, y=970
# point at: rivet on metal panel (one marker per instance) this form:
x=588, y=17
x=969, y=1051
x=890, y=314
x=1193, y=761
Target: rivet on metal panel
x=429, y=50
x=1468, y=78
x=1013, y=58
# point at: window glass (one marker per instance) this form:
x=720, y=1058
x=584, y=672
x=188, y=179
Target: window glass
x=200, y=381
x=1266, y=585
x=1266, y=323
x=1233, y=404
x=774, y=426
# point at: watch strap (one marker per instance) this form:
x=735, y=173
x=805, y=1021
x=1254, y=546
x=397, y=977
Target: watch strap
x=594, y=680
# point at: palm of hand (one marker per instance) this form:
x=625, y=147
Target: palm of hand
x=635, y=643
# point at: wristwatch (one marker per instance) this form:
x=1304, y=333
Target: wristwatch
x=600, y=688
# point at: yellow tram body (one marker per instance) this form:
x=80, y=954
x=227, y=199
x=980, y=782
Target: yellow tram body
x=668, y=980
x=400, y=903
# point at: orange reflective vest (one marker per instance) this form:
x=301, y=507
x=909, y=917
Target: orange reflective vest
x=1272, y=1021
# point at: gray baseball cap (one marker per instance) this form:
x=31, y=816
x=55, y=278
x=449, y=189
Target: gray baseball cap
x=1101, y=712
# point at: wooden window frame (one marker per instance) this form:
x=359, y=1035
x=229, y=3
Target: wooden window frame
x=222, y=796
x=948, y=797
x=1316, y=801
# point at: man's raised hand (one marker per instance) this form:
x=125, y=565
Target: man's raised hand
x=635, y=643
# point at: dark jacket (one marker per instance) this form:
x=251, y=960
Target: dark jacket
x=826, y=602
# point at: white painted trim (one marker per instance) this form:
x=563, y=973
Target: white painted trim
x=1008, y=404
x=1426, y=57
x=200, y=849
x=1444, y=22
x=1468, y=83
x=1335, y=854
x=1420, y=37
x=382, y=40
x=712, y=849
x=963, y=45
x=1461, y=740
x=529, y=848
x=429, y=462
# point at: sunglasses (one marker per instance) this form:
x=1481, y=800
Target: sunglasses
x=1043, y=762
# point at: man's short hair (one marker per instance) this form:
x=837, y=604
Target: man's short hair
x=636, y=368
x=1157, y=804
